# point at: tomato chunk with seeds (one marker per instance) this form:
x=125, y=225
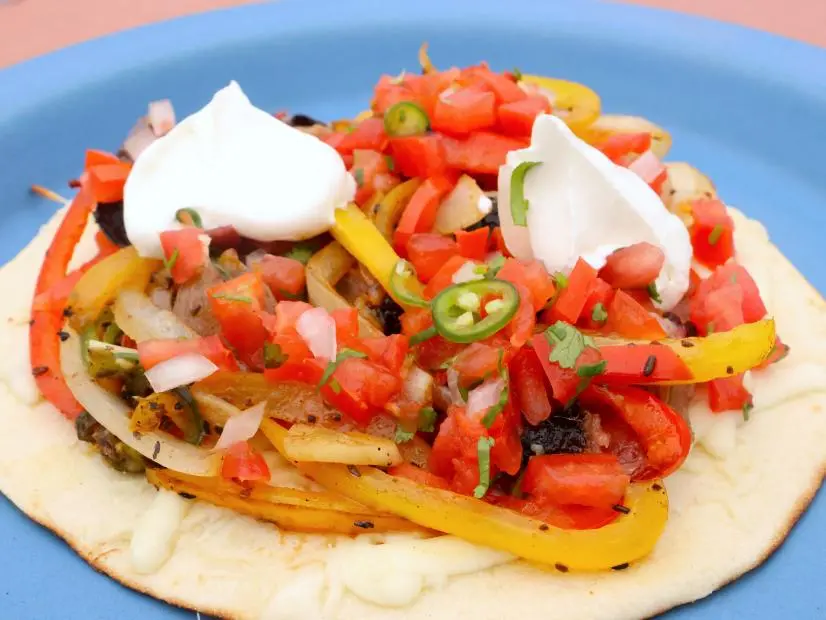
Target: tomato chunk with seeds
x=185, y=252
x=516, y=118
x=464, y=111
x=628, y=318
x=243, y=463
x=712, y=232
x=595, y=480
x=571, y=299
x=635, y=266
x=429, y=252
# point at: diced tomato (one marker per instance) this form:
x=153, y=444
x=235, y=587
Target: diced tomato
x=473, y=244
x=629, y=319
x=107, y=180
x=533, y=276
x=712, y=232
x=237, y=305
x=506, y=431
x=464, y=111
x=565, y=382
x=571, y=299
x=600, y=292
x=241, y=462
x=520, y=328
x=779, y=351
x=662, y=432
x=595, y=480
x=528, y=383
x=307, y=370
x=727, y=394
x=454, y=454
x=429, y=252
x=389, y=351
x=389, y=91
x=635, y=266
x=368, y=135
x=385, y=181
x=420, y=213
x=619, y=145
x=367, y=167
x=418, y=475
x=505, y=89
x=480, y=152
x=420, y=89
x=153, y=352
x=286, y=316
x=284, y=276
x=476, y=362
x=419, y=156
x=416, y=320
x=292, y=346
x=497, y=242
x=516, y=118
x=95, y=157
x=727, y=298
x=185, y=251
x=444, y=277
x=347, y=326
x=360, y=388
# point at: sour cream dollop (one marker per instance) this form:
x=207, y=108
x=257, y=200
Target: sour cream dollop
x=236, y=165
x=584, y=205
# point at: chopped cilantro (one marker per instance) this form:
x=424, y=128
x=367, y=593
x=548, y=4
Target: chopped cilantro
x=567, y=344
x=335, y=386
x=331, y=367
x=170, y=262
x=747, y=410
x=241, y=298
x=273, y=355
x=185, y=216
x=495, y=264
x=599, y=314
x=653, y=293
x=301, y=252
x=714, y=235
x=592, y=370
x=517, y=74
x=427, y=419
x=483, y=447
x=391, y=165
x=403, y=436
x=561, y=279
x=358, y=175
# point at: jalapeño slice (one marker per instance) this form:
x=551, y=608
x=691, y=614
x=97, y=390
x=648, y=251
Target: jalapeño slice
x=455, y=318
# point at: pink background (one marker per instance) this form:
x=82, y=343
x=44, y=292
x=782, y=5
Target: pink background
x=32, y=27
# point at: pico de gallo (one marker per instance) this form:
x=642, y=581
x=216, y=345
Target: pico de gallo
x=405, y=360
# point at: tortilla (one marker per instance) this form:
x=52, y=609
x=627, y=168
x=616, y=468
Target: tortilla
x=732, y=504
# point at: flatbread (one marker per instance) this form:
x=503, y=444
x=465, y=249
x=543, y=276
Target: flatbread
x=741, y=490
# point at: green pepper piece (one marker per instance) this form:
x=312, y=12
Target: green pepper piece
x=406, y=119
x=402, y=274
x=455, y=323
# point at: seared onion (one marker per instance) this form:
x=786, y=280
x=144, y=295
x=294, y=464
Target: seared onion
x=113, y=414
x=242, y=426
x=141, y=320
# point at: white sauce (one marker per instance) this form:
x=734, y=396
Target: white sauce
x=237, y=166
x=154, y=537
x=394, y=575
x=584, y=205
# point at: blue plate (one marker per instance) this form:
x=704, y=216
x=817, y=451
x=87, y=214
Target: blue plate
x=747, y=107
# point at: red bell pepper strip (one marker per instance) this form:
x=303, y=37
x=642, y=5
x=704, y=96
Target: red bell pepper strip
x=420, y=213
x=571, y=300
x=44, y=341
x=639, y=364
x=107, y=181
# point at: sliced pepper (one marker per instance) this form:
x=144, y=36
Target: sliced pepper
x=631, y=537
x=576, y=104
x=457, y=309
x=363, y=240
x=718, y=355
x=420, y=213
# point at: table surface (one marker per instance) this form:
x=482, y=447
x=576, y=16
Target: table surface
x=32, y=27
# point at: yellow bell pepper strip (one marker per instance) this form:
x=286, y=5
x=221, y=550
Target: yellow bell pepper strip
x=324, y=269
x=574, y=103
x=689, y=360
x=101, y=284
x=290, y=509
x=362, y=239
x=631, y=537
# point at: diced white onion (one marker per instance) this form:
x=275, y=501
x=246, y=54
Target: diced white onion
x=647, y=166
x=162, y=298
x=418, y=386
x=139, y=138
x=453, y=386
x=161, y=117
x=178, y=371
x=467, y=273
x=318, y=329
x=484, y=397
x=242, y=426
